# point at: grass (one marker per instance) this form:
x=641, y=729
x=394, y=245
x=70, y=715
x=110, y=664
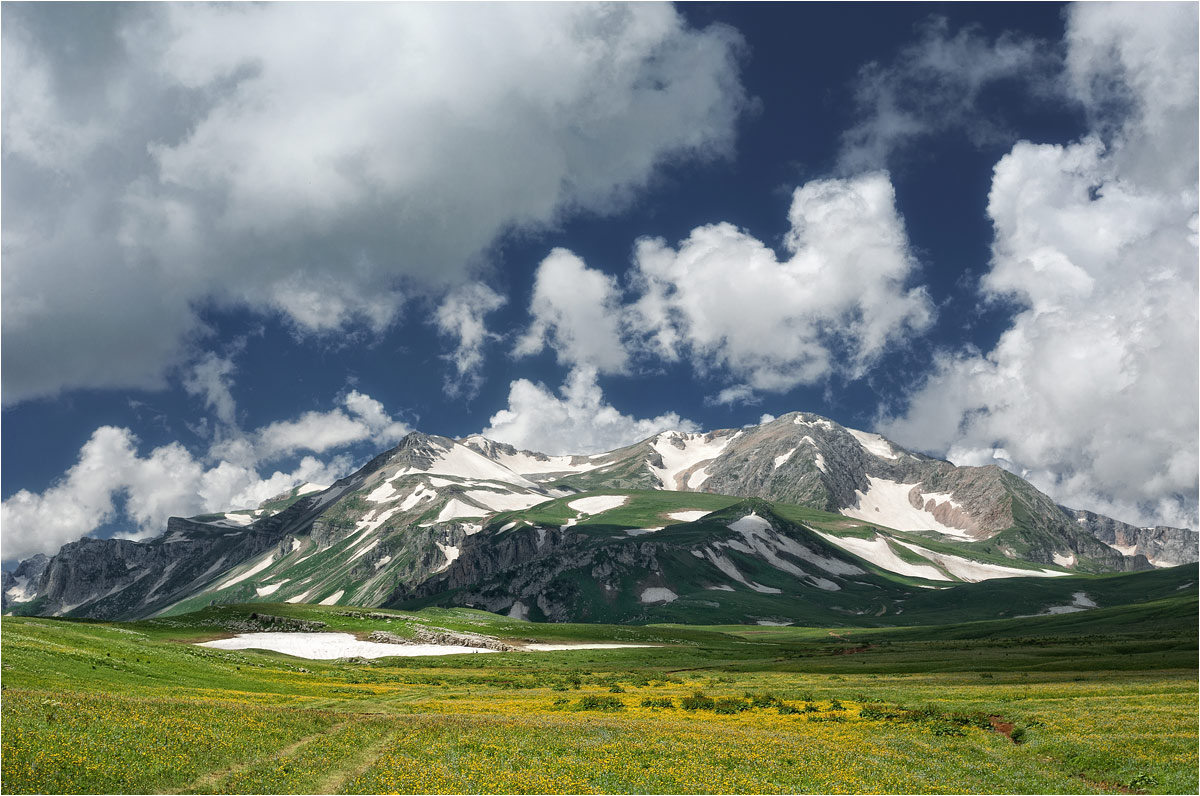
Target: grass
x=1103, y=701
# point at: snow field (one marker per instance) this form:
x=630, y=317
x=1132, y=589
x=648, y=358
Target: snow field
x=597, y=504
x=880, y=553
x=657, y=594
x=874, y=444
x=678, y=460
x=333, y=598
x=689, y=515
x=886, y=503
x=331, y=646
x=254, y=570
x=975, y=571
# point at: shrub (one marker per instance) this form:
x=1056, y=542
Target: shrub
x=729, y=706
x=599, y=703
x=616, y=689
x=697, y=701
x=946, y=729
x=658, y=702
x=810, y=708
x=834, y=705
x=764, y=700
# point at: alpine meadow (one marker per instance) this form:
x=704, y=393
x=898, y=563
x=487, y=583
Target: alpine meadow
x=600, y=398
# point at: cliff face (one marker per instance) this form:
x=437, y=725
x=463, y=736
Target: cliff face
x=1161, y=546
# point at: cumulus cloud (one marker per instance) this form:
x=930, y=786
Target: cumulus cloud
x=577, y=420
x=576, y=310
x=364, y=419
x=211, y=378
x=172, y=481
x=940, y=84
x=158, y=158
x=840, y=298
x=461, y=315
x=1092, y=391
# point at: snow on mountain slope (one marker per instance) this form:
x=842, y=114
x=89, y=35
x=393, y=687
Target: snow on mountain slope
x=874, y=444
x=888, y=503
x=681, y=452
x=455, y=459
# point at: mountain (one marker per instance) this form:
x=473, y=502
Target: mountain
x=798, y=518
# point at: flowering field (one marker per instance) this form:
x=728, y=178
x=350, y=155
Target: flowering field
x=91, y=707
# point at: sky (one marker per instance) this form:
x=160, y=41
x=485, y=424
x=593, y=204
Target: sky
x=248, y=246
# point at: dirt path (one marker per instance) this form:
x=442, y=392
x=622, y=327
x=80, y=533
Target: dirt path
x=353, y=767
x=206, y=783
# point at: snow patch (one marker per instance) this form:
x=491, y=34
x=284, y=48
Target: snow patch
x=657, y=594
x=519, y=611
x=382, y=562
x=874, y=444
x=1064, y=560
x=763, y=540
x=508, y=527
x=271, y=589
x=239, y=519
x=333, y=598
x=464, y=462
x=597, y=504
x=1125, y=550
x=697, y=478
x=725, y=565
x=769, y=623
x=416, y=496
x=450, y=552
x=886, y=503
x=722, y=587
x=688, y=516
x=383, y=493
x=642, y=531
x=299, y=598
x=364, y=551
x=1080, y=601
x=975, y=571
x=676, y=460
x=455, y=508
x=254, y=570
x=500, y=501
x=331, y=646
x=781, y=459
x=880, y=553
x=308, y=489
x=568, y=647
x=22, y=590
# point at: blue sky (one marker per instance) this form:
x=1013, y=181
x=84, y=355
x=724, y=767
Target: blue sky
x=247, y=246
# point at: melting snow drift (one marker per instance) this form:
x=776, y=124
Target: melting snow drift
x=330, y=646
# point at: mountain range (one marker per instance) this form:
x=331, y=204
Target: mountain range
x=796, y=519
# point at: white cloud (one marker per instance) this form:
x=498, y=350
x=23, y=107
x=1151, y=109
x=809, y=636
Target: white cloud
x=461, y=315
x=1092, y=391
x=731, y=396
x=727, y=302
x=214, y=160
x=939, y=84
x=171, y=481
x=579, y=420
x=321, y=431
x=211, y=379
x=576, y=310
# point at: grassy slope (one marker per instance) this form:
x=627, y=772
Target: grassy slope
x=1105, y=700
